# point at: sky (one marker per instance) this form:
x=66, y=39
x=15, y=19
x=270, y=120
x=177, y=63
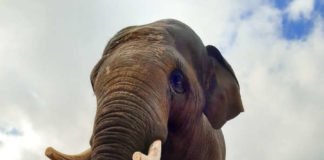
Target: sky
x=276, y=48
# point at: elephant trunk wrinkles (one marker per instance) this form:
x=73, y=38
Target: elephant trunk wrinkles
x=122, y=126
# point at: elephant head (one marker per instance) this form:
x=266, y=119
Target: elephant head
x=158, y=81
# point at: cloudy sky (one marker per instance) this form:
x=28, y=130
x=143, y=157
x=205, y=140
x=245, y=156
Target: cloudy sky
x=276, y=47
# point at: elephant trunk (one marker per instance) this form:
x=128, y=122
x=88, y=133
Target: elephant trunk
x=124, y=124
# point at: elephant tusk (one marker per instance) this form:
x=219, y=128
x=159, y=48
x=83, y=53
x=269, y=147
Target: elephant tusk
x=53, y=154
x=154, y=152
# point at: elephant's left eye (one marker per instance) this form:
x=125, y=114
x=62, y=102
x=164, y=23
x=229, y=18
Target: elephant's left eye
x=177, y=81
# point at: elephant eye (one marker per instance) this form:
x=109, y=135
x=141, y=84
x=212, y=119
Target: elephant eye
x=177, y=81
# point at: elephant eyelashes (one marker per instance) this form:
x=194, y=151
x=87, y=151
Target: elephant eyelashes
x=177, y=81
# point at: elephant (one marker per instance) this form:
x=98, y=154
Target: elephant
x=158, y=81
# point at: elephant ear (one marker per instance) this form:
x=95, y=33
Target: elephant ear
x=223, y=99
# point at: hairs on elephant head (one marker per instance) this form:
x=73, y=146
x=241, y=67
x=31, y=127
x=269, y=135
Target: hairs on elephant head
x=160, y=82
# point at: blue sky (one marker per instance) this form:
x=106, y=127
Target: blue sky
x=281, y=4
x=10, y=131
x=300, y=28
x=47, y=51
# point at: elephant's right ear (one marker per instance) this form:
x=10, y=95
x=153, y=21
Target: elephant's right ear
x=223, y=99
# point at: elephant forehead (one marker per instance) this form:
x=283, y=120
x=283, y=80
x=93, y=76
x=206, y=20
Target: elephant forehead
x=107, y=69
x=138, y=53
x=152, y=41
x=169, y=31
x=145, y=34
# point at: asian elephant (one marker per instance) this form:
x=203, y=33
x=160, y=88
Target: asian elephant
x=159, y=82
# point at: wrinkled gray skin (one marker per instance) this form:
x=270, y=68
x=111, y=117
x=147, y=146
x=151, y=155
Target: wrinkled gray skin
x=158, y=81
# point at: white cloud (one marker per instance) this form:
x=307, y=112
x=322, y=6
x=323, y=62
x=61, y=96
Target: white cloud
x=48, y=50
x=300, y=9
x=281, y=89
x=13, y=146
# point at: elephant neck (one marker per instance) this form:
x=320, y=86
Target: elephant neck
x=199, y=141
